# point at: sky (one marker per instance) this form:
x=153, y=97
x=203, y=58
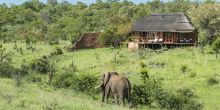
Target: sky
x=17, y=2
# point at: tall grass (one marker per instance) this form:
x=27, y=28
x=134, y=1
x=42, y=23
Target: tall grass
x=164, y=66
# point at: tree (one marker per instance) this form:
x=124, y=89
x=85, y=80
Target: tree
x=178, y=6
x=216, y=46
x=52, y=2
x=206, y=18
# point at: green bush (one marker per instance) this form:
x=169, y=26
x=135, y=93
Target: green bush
x=150, y=92
x=40, y=65
x=143, y=94
x=54, y=42
x=65, y=80
x=167, y=100
x=142, y=64
x=109, y=36
x=6, y=70
x=184, y=68
x=186, y=92
x=79, y=82
x=144, y=74
x=193, y=105
x=212, y=80
x=34, y=78
x=192, y=74
x=85, y=83
x=57, y=51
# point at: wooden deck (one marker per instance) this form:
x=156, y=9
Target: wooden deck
x=165, y=43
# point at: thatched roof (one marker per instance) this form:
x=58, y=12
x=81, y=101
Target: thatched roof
x=175, y=22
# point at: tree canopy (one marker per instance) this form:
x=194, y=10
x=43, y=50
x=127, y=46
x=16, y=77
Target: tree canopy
x=54, y=21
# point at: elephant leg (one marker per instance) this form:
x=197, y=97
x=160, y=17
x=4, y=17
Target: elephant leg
x=122, y=99
x=116, y=98
x=107, y=93
x=103, y=96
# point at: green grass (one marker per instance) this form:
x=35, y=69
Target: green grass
x=96, y=61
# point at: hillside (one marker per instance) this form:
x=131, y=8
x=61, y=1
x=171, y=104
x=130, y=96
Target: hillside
x=163, y=65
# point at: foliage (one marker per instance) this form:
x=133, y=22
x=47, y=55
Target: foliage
x=34, y=78
x=57, y=51
x=216, y=46
x=142, y=64
x=206, y=20
x=150, y=91
x=85, y=83
x=52, y=21
x=212, y=80
x=64, y=80
x=40, y=65
x=186, y=92
x=6, y=70
x=79, y=82
x=6, y=67
x=184, y=68
x=193, y=105
x=108, y=37
x=84, y=61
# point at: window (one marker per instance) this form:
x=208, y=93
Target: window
x=150, y=35
x=168, y=37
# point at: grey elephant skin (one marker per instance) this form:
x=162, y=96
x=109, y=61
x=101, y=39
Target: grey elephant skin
x=116, y=84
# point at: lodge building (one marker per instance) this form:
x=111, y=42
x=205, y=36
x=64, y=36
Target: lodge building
x=173, y=29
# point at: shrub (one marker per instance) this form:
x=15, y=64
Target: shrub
x=169, y=101
x=34, y=78
x=6, y=70
x=144, y=74
x=192, y=74
x=57, y=51
x=79, y=82
x=143, y=94
x=54, y=42
x=186, y=92
x=193, y=105
x=40, y=65
x=150, y=92
x=64, y=80
x=142, y=64
x=85, y=83
x=212, y=80
x=109, y=36
x=184, y=68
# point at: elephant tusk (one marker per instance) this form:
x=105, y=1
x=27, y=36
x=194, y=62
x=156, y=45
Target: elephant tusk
x=97, y=87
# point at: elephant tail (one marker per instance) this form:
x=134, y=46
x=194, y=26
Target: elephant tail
x=129, y=93
x=129, y=98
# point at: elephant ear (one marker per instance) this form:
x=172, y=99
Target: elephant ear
x=106, y=78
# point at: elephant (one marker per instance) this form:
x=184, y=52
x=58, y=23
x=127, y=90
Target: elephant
x=116, y=84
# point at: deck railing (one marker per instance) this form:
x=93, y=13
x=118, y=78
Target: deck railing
x=160, y=40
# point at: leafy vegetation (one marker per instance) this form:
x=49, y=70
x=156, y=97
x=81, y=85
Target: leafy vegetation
x=36, y=71
x=35, y=21
x=160, y=87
